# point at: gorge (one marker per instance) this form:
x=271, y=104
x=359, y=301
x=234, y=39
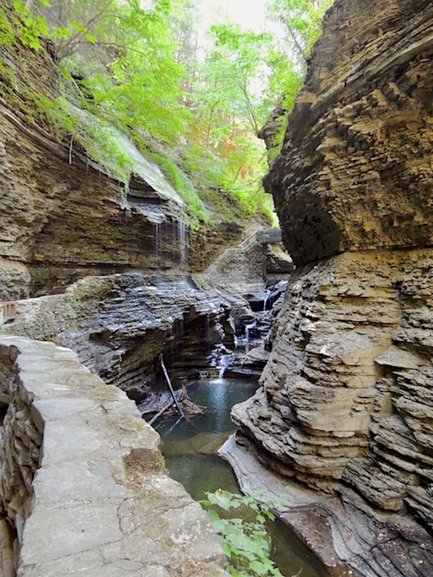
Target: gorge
x=344, y=407
x=102, y=279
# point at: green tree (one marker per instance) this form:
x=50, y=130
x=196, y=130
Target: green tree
x=302, y=22
x=140, y=70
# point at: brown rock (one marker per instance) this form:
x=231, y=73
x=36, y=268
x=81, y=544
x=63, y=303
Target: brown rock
x=355, y=170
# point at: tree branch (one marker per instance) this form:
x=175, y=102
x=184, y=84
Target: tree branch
x=68, y=47
x=294, y=38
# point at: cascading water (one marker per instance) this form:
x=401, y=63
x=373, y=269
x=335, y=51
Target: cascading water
x=225, y=363
x=157, y=244
x=183, y=249
x=248, y=328
x=266, y=299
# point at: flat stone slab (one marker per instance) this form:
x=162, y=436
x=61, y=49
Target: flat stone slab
x=103, y=504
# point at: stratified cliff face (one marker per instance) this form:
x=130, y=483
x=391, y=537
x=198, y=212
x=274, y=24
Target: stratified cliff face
x=61, y=221
x=345, y=407
x=355, y=172
x=345, y=393
x=61, y=218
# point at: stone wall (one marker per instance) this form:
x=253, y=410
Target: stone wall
x=344, y=411
x=83, y=487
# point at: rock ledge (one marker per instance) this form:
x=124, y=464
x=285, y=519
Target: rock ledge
x=83, y=488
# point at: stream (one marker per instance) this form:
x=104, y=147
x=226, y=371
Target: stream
x=190, y=449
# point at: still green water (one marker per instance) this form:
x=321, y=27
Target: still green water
x=190, y=446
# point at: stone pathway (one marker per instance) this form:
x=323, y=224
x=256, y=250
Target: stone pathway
x=102, y=504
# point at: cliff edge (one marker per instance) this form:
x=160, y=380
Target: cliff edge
x=345, y=407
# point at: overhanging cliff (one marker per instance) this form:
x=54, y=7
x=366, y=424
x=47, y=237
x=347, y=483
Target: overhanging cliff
x=62, y=216
x=355, y=171
x=344, y=407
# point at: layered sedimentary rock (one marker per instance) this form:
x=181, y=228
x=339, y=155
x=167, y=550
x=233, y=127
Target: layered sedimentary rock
x=345, y=407
x=62, y=217
x=120, y=324
x=355, y=171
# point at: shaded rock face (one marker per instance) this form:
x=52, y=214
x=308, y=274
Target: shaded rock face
x=62, y=218
x=246, y=269
x=360, y=135
x=345, y=393
x=60, y=222
x=120, y=324
x=344, y=408
x=273, y=127
x=209, y=241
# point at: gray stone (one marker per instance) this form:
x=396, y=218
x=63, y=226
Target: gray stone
x=83, y=482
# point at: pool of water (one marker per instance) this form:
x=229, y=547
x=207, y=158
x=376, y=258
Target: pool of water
x=190, y=449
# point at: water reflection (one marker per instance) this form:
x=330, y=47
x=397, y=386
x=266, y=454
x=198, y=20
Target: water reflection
x=190, y=449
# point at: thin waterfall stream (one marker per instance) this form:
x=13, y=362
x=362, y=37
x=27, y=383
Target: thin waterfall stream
x=190, y=449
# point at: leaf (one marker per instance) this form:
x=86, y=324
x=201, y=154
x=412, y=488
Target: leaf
x=90, y=38
x=77, y=26
x=221, y=498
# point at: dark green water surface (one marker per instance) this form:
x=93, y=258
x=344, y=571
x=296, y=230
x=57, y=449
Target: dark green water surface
x=190, y=447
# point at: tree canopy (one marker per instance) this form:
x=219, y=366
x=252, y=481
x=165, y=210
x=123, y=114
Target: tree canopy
x=138, y=66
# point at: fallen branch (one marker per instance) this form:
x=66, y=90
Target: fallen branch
x=162, y=411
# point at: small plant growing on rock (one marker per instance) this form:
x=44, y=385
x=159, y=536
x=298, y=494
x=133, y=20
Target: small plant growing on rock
x=245, y=542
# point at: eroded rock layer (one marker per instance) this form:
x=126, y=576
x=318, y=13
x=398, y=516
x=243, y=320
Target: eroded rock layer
x=361, y=135
x=345, y=407
x=62, y=217
x=120, y=324
x=345, y=393
x=345, y=401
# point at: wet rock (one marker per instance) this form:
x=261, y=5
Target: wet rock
x=62, y=217
x=120, y=324
x=344, y=406
x=350, y=538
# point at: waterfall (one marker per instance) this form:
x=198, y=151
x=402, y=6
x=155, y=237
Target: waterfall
x=183, y=254
x=157, y=244
x=247, y=335
x=225, y=362
x=266, y=299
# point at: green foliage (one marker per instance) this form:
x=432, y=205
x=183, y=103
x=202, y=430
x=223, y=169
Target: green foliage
x=302, y=21
x=245, y=543
x=137, y=73
x=6, y=31
x=183, y=185
x=29, y=28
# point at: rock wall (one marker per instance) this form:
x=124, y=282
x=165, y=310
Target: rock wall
x=83, y=486
x=62, y=218
x=355, y=171
x=344, y=408
x=120, y=324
